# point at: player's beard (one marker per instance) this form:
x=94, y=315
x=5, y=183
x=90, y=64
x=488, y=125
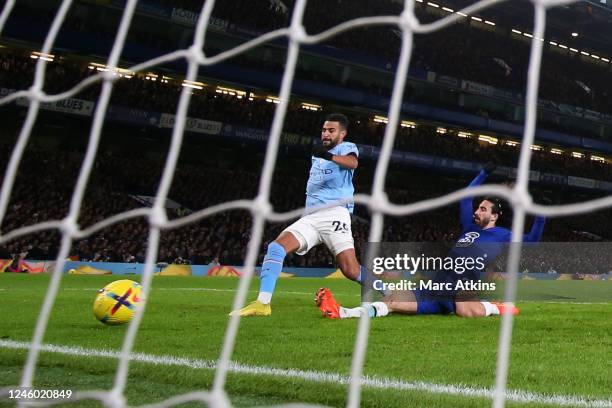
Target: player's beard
x=482, y=222
x=331, y=145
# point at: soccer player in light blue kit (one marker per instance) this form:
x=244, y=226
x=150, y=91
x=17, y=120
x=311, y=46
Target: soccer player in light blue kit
x=331, y=180
x=480, y=237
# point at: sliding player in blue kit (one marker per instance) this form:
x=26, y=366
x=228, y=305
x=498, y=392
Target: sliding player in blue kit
x=480, y=237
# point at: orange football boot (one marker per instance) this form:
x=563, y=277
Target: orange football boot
x=506, y=308
x=327, y=304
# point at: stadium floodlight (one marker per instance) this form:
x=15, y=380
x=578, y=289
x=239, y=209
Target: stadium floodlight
x=598, y=159
x=239, y=94
x=476, y=18
x=97, y=67
x=536, y=148
x=441, y=130
x=165, y=79
x=449, y=10
x=42, y=56
x=408, y=124
x=433, y=4
x=489, y=23
x=595, y=56
x=605, y=59
x=488, y=139
x=273, y=99
x=515, y=31
x=380, y=119
x=120, y=72
x=577, y=155
x=311, y=106
x=585, y=53
x=574, y=34
x=151, y=76
x=573, y=50
x=465, y=135
x=555, y=150
x=462, y=14
x=512, y=143
x=193, y=84
x=563, y=46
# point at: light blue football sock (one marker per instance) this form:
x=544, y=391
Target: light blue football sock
x=377, y=309
x=362, y=273
x=270, y=271
x=371, y=311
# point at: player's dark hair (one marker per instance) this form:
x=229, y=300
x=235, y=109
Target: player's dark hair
x=497, y=207
x=338, y=117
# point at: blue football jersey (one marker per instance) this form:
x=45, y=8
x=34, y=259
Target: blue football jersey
x=328, y=182
x=488, y=243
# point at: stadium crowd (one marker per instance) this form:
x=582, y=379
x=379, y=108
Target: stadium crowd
x=497, y=58
x=460, y=50
x=16, y=71
x=222, y=238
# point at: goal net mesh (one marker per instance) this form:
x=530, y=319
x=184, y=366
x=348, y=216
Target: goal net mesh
x=260, y=208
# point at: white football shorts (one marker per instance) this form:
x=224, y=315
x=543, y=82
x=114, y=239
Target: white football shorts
x=331, y=226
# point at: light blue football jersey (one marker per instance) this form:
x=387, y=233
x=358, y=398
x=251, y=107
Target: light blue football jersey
x=328, y=182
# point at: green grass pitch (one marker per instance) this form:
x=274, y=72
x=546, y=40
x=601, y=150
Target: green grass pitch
x=558, y=348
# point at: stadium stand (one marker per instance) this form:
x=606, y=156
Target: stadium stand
x=566, y=78
x=17, y=69
x=119, y=175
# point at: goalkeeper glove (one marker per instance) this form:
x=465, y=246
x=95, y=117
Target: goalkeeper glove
x=320, y=151
x=489, y=167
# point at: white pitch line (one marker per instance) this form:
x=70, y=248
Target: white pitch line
x=518, y=396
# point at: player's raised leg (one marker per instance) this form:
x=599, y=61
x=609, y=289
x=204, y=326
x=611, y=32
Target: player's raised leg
x=271, y=268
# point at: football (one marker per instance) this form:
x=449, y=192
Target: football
x=116, y=303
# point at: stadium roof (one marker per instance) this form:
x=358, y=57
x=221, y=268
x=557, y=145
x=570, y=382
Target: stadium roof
x=590, y=19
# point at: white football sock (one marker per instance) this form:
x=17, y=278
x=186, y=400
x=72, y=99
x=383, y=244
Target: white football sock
x=490, y=308
x=264, y=297
x=348, y=313
x=376, y=309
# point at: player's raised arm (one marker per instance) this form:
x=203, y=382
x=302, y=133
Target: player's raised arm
x=466, y=213
x=537, y=229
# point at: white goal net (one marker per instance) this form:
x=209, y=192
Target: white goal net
x=260, y=206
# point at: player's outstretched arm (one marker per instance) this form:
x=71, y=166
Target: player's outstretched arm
x=466, y=210
x=348, y=161
x=537, y=229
